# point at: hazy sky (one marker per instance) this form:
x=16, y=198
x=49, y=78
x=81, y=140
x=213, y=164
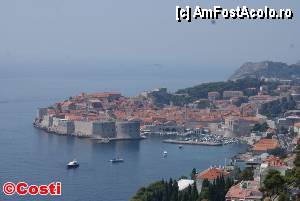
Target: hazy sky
x=110, y=32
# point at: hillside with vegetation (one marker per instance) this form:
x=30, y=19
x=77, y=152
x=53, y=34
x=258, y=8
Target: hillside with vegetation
x=200, y=91
x=278, y=107
x=267, y=69
x=210, y=191
x=166, y=191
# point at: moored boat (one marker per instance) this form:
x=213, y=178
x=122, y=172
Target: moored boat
x=73, y=164
x=116, y=160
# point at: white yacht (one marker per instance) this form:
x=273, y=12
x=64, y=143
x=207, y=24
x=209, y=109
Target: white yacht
x=73, y=164
x=117, y=160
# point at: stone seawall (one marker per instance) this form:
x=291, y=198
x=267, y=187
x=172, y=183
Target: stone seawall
x=91, y=129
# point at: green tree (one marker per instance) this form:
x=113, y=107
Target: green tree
x=204, y=190
x=280, y=152
x=283, y=197
x=183, y=177
x=195, y=194
x=260, y=127
x=166, y=191
x=216, y=190
x=273, y=182
x=247, y=174
x=193, y=174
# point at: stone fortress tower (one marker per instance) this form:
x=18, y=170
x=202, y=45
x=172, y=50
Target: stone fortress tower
x=128, y=129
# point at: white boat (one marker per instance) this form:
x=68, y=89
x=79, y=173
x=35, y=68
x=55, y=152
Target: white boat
x=73, y=164
x=106, y=140
x=165, y=154
x=116, y=160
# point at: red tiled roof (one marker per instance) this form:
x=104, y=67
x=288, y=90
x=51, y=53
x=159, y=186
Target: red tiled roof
x=265, y=145
x=212, y=173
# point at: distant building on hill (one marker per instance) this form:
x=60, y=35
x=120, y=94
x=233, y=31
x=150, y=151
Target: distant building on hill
x=239, y=126
x=213, y=95
x=231, y=94
x=288, y=121
x=105, y=95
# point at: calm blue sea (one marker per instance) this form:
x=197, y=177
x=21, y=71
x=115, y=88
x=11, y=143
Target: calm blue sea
x=31, y=155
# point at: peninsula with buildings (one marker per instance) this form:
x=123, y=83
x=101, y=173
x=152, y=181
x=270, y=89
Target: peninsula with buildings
x=202, y=113
x=89, y=115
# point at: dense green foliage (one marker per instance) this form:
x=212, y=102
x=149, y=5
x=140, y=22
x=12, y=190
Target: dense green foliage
x=200, y=91
x=160, y=100
x=166, y=191
x=280, y=152
x=217, y=190
x=249, y=86
x=247, y=174
x=181, y=100
x=273, y=183
x=260, y=127
x=245, y=85
x=283, y=197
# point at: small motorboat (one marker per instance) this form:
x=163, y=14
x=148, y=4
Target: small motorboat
x=165, y=154
x=116, y=160
x=103, y=141
x=73, y=164
x=180, y=146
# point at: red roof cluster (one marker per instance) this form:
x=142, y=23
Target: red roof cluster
x=212, y=174
x=265, y=145
x=245, y=190
x=275, y=161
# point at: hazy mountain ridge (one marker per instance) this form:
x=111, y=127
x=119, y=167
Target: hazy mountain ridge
x=267, y=69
